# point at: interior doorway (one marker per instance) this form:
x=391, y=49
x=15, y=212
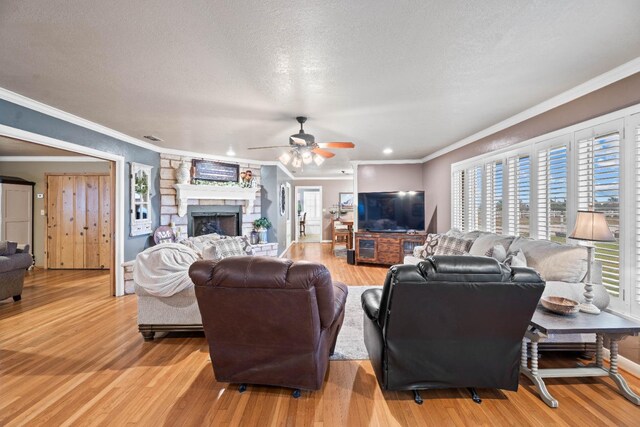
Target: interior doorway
x=309, y=213
x=36, y=157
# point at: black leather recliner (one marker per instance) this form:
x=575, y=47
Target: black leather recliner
x=450, y=321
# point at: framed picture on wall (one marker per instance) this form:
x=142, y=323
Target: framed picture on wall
x=346, y=201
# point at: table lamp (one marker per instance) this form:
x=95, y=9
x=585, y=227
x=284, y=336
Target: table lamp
x=591, y=226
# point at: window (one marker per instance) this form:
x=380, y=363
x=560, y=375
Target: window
x=599, y=190
x=474, y=202
x=552, y=193
x=518, y=189
x=535, y=188
x=457, y=200
x=493, y=196
x=636, y=173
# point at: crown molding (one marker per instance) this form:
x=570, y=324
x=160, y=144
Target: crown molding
x=51, y=159
x=605, y=79
x=323, y=178
x=32, y=104
x=386, y=162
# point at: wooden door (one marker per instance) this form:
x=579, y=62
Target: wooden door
x=79, y=221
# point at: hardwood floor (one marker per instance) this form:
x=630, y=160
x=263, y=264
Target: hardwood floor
x=71, y=355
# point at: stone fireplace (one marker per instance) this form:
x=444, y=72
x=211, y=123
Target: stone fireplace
x=224, y=220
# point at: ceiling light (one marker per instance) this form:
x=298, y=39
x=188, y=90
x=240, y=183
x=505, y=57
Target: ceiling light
x=296, y=162
x=285, y=158
x=307, y=157
x=387, y=151
x=318, y=159
x=230, y=152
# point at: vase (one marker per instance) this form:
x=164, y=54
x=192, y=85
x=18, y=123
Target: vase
x=254, y=238
x=183, y=174
x=262, y=232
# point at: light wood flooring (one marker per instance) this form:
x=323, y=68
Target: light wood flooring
x=71, y=355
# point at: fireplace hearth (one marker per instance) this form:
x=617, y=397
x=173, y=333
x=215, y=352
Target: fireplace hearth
x=224, y=220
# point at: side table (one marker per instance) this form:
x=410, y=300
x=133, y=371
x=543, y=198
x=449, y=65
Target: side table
x=603, y=325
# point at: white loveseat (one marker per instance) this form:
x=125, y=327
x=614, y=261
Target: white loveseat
x=167, y=302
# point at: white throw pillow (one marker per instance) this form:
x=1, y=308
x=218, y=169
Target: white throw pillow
x=516, y=259
x=497, y=252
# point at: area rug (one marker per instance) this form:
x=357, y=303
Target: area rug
x=350, y=344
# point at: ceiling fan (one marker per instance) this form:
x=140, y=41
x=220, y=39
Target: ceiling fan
x=303, y=148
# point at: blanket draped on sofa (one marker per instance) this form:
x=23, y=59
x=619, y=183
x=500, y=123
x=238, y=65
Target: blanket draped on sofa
x=163, y=272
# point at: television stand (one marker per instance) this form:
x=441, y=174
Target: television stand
x=387, y=248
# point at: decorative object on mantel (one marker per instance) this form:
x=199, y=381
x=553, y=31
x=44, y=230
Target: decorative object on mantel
x=208, y=170
x=254, y=237
x=246, y=179
x=141, y=212
x=183, y=174
x=592, y=227
x=214, y=191
x=262, y=225
x=560, y=305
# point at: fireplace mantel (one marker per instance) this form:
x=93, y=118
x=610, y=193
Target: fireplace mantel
x=184, y=192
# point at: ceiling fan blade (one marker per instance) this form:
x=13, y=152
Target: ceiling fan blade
x=269, y=146
x=323, y=153
x=298, y=141
x=337, y=145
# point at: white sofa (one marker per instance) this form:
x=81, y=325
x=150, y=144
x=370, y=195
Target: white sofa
x=562, y=266
x=178, y=312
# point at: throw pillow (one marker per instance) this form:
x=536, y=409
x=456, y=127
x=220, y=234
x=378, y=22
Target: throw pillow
x=223, y=248
x=516, y=259
x=448, y=245
x=8, y=248
x=430, y=244
x=498, y=252
x=454, y=232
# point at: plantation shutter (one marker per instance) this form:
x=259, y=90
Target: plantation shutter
x=599, y=190
x=473, y=178
x=457, y=208
x=552, y=193
x=493, y=196
x=636, y=136
x=518, y=191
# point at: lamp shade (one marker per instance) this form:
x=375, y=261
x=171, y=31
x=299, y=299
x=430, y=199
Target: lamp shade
x=592, y=226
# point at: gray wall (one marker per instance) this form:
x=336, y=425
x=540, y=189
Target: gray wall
x=393, y=177
x=271, y=178
x=34, y=171
x=32, y=121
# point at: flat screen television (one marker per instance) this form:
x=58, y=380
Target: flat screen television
x=394, y=211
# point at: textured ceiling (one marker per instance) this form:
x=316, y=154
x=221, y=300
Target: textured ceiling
x=204, y=76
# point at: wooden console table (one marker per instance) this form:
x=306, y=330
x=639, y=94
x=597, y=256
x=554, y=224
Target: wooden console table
x=603, y=325
x=385, y=248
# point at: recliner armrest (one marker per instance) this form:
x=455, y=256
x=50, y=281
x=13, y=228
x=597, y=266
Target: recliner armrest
x=371, y=303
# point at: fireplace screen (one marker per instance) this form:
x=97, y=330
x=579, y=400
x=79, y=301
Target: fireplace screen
x=224, y=220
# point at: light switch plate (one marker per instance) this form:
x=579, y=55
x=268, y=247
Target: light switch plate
x=40, y=196
x=42, y=212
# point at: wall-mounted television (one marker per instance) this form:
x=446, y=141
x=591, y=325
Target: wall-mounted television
x=393, y=211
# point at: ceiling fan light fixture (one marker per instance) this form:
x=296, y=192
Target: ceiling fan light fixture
x=296, y=162
x=318, y=159
x=307, y=157
x=285, y=158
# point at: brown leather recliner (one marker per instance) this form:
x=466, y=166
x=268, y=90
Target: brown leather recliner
x=269, y=321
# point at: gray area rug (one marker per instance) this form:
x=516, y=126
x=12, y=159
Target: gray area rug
x=350, y=345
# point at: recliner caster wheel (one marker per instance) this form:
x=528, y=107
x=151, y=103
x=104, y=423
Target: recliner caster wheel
x=474, y=395
x=416, y=397
x=242, y=388
x=296, y=393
